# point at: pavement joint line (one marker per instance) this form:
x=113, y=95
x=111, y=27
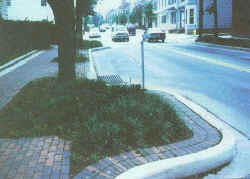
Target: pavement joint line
x=211, y=60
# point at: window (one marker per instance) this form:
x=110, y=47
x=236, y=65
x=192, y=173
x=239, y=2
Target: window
x=191, y=16
x=173, y=18
x=8, y=3
x=163, y=19
x=43, y=2
x=170, y=2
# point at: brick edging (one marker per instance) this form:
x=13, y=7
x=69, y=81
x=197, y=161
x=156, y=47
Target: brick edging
x=204, y=136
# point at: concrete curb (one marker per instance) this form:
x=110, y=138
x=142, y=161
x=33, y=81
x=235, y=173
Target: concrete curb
x=93, y=69
x=17, y=59
x=99, y=48
x=191, y=164
x=223, y=46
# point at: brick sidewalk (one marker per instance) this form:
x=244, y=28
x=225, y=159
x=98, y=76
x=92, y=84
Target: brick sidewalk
x=45, y=157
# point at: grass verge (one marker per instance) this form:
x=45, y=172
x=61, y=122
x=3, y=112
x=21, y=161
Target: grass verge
x=80, y=58
x=100, y=120
x=225, y=41
x=87, y=44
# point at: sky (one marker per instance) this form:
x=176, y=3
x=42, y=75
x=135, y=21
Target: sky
x=32, y=10
x=29, y=10
x=106, y=5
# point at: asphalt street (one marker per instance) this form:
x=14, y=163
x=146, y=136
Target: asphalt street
x=217, y=79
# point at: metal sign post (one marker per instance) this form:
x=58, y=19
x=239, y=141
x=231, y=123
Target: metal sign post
x=142, y=61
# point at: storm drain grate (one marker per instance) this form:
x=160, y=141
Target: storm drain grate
x=112, y=79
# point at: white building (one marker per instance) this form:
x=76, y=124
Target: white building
x=33, y=10
x=183, y=15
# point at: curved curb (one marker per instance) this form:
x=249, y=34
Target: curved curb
x=99, y=48
x=191, y=164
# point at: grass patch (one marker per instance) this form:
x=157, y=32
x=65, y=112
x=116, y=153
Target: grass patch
x=100, y=120
x=80, y=58
x=225, y=41
x=87, y=44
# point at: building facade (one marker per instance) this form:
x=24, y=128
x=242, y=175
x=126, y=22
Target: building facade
x=123, y=9
x=4, y=4
x=183, y=15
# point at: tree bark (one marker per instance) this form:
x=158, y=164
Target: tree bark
x=215, y=19
x=65, y=21
x=201, y=19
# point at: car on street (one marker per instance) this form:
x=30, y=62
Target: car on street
x=94, y=33
x=131, y=29
x=120, y=35
x=153, y=35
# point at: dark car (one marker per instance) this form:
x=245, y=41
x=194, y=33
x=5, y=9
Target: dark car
x=154, y=35
x=131, y=29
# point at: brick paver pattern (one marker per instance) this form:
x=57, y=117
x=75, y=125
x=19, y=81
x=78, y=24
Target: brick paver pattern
x=45, y=157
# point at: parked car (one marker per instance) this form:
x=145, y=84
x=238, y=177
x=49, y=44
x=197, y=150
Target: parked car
x=153, y=35
x=94, y=33
x=120, y=36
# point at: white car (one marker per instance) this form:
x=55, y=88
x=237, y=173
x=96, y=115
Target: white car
x=94, y=33
x=121, y=35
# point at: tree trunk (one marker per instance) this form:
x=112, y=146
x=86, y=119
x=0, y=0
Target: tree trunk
x=201, y=19
x=78, y=23
x=215, y=19
x=65, y=21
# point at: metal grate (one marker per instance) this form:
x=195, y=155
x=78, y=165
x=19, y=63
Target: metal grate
x=112, y=79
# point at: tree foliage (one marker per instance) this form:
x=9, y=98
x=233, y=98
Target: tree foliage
x=123, y=19
x=201, y=18
x=136, y=15
x=132, y=18
x=148, y=10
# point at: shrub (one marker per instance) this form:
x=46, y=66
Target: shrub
x=18, y=37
